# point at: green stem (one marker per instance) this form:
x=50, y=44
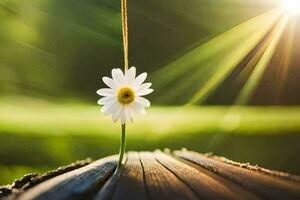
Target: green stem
x=123, y=145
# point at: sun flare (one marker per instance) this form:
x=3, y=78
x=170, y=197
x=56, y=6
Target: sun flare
x=292, y=6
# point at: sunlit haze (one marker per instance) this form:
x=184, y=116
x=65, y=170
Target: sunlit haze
x=292, y=6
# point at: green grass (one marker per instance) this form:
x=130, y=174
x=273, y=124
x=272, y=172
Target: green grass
x=36, y=136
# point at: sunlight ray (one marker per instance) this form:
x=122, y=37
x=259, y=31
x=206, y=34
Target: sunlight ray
x=227, y=64
x=249, y=67
x=216, y=58
x=285, y=62
x=261, y=66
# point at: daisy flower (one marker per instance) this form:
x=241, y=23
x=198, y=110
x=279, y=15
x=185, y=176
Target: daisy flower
x=124, y=97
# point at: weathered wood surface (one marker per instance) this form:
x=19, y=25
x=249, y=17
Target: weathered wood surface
x=77, y=184
x=264, y=185
x=157, y=175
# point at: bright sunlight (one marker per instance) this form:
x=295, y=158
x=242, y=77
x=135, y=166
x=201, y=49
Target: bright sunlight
x=292, y=6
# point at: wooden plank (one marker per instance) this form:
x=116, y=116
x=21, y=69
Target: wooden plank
x=127, y=183
x=107, y=191
x=131, y=184
x=77, y=184
x=278, y=174
x=266, y=186
x=204, y=183
x=161, y=183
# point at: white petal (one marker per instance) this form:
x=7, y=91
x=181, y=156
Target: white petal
x=139, y=80
x=106, y=92
x=106, y=100
x=130, y=75
x=116, y=114
x=144, y=92
x=131, y=113
x=143, y=101
x=122, y=116
x=128, y=114
x=144, y=86
x=109, y=108
x=109, y=82
x=137, y=107
x=118, y=76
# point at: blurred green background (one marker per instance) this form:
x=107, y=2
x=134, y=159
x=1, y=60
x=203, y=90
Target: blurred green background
x=225, y=73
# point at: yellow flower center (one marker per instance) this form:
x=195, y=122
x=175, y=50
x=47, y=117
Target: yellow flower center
x=125, y=95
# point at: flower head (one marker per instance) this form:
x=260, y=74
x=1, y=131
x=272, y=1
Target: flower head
x=124, y=98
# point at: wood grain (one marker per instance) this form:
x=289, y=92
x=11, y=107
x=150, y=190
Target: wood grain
x=76, y=184
x=161, y=183
x=108, y=189
x=131, y=184
x=183, y=175
x=263, y=185
x=206, y=185
x=127, y=183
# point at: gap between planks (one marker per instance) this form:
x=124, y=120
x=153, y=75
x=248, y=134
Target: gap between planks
x=157, y=175
x=264, y=185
